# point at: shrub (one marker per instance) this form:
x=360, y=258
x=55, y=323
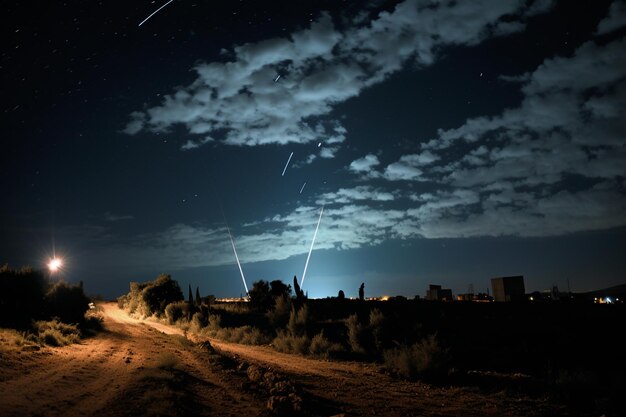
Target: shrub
x=151, y=298
x=376, y=328
x=356, y=334
x=180, y=310
x=279, y=315
x=93, y=322
x=366, y=339
x=22, y=296
x=55, y=333
x=423, y=359
x=298, y=321
x=246, y=335
x=158, y=294
x=288, y=343
x=67, y=302
x=322, y=347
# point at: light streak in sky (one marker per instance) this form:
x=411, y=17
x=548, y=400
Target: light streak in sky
x=232, y=242
x=306, y=265
x=287, y=164
x=155, y=12
x=277, y=78
x=303, y=185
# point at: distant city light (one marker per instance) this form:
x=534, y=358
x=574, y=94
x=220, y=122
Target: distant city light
x=55, y=264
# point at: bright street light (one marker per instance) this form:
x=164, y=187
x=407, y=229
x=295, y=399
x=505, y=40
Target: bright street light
x=55, y=264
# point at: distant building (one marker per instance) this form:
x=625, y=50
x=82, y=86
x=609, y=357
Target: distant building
x=508, y=288
x=436, y=293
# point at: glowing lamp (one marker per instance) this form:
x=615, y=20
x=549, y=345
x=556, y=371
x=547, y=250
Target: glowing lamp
x=55, y=264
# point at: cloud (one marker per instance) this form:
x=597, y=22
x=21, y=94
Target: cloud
x=615, y=20
x=110, y=217
x=552, y=165
x=365, y=164
x=359, y=193
x=237, y=102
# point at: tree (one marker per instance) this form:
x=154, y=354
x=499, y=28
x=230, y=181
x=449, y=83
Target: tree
x=260, y=296
x=341, y=295
x=362, y=292
x=159, y=293
x=198, y=301
x=190, y=300
x=297, y=289
x=280, y=289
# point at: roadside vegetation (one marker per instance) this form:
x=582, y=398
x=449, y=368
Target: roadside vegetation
x=537, y=350
x=44, y=312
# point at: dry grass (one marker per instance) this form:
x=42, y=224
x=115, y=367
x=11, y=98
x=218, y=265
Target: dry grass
x=423, y=359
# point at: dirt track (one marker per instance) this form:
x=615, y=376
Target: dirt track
x=117, y=373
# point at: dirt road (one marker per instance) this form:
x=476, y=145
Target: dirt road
x=147, y=368
x=128, y=369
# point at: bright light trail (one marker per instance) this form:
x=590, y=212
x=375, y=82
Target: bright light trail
x=277, y=78
x=155, y=12
x=232, y=242
x=306, y=265
x=287, y=164
x=303, y=185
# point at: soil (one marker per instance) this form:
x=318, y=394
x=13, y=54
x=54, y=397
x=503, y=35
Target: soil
x=143, y=367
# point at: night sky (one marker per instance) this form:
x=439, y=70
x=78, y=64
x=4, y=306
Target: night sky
x=448, y=142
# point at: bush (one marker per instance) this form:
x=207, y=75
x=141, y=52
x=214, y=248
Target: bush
x=158, y=294
x=180, y=310
x=376, y=327
x=279, y=315
x=322, y=347
x=298, y=321
x=67, y=302
x=21, y=296
x=55, y=333
x=356, y=334
x=423, y=359
x=366, y=339
x=288, y=343
x=151, y=298
x=246, y=335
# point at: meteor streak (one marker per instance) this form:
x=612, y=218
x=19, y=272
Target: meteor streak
x=287, y=164
x=232, y=242
x=306, y=265
x=277, y=78
x=155, y=12
x=303, y=185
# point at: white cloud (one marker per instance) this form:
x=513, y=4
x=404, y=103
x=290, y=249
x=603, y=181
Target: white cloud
x=365, y=164
x=238, y=102
x=360, y=193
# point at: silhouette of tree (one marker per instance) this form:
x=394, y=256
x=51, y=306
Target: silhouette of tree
x=260, y=295
x=341, y=295
x=280, y=289
x=362, y=292
x=297, y=289
x=198, y=301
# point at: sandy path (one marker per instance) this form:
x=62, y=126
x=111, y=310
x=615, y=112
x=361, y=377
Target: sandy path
x=115, y=373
